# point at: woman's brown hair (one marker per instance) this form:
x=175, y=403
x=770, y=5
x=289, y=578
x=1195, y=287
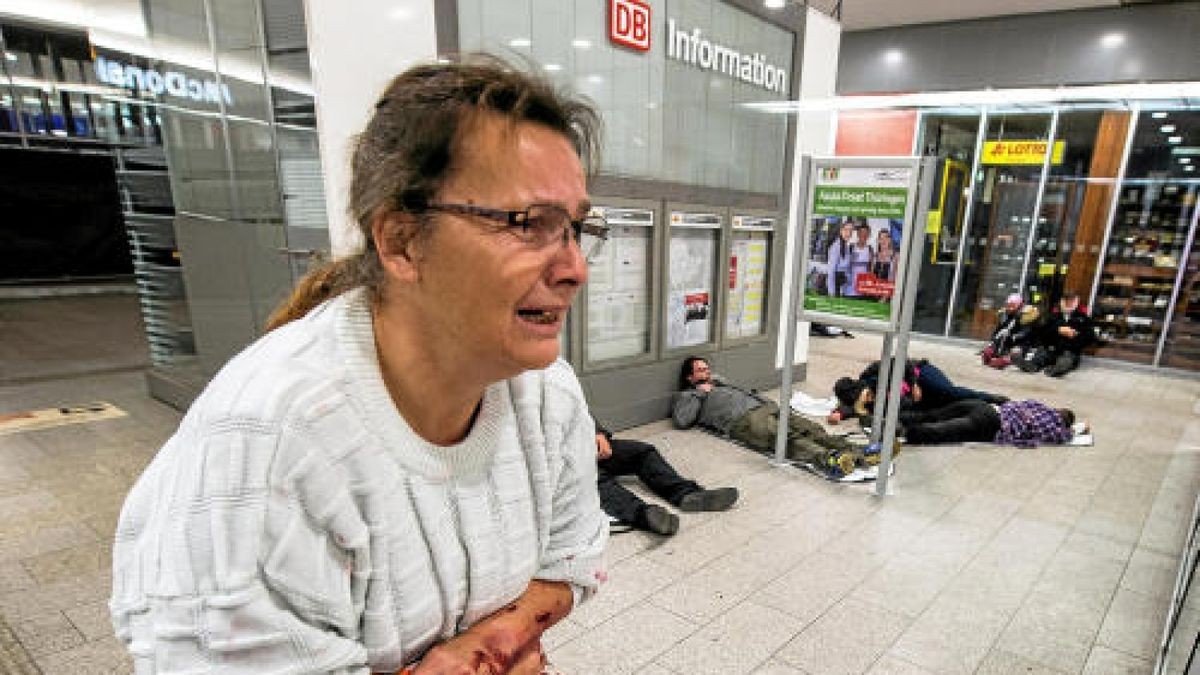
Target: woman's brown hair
x=407, y=151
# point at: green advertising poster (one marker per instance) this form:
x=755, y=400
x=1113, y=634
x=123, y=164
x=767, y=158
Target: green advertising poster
x=856, y=236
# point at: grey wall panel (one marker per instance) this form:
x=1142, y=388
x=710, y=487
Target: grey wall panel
x=1059, y=48
x=234, y=275
x=627, y=397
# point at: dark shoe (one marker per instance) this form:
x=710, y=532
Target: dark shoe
x=718, y=499
x=660, y=521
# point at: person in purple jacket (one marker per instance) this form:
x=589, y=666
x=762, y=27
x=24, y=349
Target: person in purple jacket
x=1021, y=423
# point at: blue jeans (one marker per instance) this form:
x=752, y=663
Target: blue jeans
x=937, y=390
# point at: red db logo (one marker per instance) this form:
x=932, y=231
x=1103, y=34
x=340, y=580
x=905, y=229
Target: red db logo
x=629, y=24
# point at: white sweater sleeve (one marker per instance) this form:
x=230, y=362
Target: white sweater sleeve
x=578, y=526
x=223, y=564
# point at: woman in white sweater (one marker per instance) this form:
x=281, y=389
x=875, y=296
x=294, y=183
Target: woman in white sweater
x=401, y=475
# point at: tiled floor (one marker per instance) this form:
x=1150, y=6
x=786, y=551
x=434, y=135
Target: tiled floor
x=985, y=560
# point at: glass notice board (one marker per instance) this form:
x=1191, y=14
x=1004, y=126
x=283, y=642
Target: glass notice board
x=749, y=260
x=619, y=307
x=691, y=277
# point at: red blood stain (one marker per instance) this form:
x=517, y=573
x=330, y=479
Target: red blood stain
x=543, y=617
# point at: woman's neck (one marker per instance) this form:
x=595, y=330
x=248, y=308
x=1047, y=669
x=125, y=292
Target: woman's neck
x=432, y=390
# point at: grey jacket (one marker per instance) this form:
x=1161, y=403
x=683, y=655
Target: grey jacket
x=717, y=409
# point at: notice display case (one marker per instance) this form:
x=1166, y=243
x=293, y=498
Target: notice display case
x=620, y=286
x=1145, y=250
x=749, y=273
x=692, y=267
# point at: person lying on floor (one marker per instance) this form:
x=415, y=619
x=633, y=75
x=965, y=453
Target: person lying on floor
x=925, y=387
x=732, y=411
x=1021, y=423
x=620, y=457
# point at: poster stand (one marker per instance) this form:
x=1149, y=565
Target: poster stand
x=844, y=195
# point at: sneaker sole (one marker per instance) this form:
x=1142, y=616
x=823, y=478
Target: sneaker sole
x=709, y=500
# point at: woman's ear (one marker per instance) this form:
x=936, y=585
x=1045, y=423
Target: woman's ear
x=395, y=239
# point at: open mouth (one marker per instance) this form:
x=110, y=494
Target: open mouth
x=545, y=317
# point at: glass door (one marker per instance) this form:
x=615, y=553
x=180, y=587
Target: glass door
x=1002, y=218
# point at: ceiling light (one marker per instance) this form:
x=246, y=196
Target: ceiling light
x=1167, y=128
x=1158, y=115
x=581, y=43
x=893, y=56
x=1190, y=167
x=520, y=42
x=552, y=67
x=1175, y=140
x=1185, y=160
x=1112, y=40
x=11, y=56
x=595, y=79
x=774, y=4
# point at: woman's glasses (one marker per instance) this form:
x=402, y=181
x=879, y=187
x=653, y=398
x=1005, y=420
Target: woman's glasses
x=541, y=225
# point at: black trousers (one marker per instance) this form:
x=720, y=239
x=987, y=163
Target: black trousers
x=635, y=458
x=959, y=422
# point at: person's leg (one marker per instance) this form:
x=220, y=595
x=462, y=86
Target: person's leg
x=644, y=461
x=801, y=427
x=978, y=423
x=934, y=381
x=1065, y=362
x=620, y=503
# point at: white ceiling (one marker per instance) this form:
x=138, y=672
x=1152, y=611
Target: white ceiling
x=867, y=14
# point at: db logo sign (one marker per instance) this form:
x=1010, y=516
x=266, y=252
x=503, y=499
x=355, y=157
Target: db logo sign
x=629, y=24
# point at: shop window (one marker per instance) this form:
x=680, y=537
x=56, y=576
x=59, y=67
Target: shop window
x=1139, y=293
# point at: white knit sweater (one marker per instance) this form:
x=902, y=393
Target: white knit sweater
x=295, y=523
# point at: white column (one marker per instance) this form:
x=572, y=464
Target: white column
x=814, y=136
x=356, y=47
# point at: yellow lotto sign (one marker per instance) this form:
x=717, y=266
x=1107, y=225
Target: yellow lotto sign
x=1021, y=152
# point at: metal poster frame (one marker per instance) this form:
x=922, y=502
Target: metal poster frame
x=720, y=271
x=911, y=231
x=774, y=260
x=923, y=176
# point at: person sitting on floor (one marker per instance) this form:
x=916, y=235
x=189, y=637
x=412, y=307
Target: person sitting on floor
x=1015, y=331
x=1021, y=423
x=1068, y=331
x=703, y=399
x=925, y=387
x=620, y=457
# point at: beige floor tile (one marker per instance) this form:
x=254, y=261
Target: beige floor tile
x=849, y=638
x=737, y=642
x=629, y=583
x=1094, y=546
x=88, y=561
x=624, y=644
x=814, y=585
x=984, y=511
x=102, y=656
x=907, y=584
x=561, y=633
x=1005, y=663
x=47, y=634
x=1151, y=573
x=892, y=665
x=951, y=636
x=1105, y=661
x=654, y=669
x=93, y=620
x=1133, y=624
x=693, y=547
x=1053, y=633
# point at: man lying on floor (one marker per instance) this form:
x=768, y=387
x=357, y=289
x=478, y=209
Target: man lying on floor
x=1021, y=423
x=730, y=410
x=925, y=387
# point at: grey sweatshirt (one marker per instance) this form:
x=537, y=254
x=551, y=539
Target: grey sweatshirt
x=717, y=409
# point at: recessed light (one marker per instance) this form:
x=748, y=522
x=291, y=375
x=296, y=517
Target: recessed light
x=1112, y=40
x=1190, y=167
x=1158, y=115
x=1175, y=140
x=520, y=42
x=774, y=4
x=581, y=43
x=595, y=79
x=1185, y=160
x=552, y=67
x=1167, y=128
x=893, y=56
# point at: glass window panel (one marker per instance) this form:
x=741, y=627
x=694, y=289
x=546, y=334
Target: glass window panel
x=1002, y=221
x=1181, y=348
x=619, y=302
x=1155, y=214
x=950, y=137
x=8, y=114
x=691, y=278
x=749, y=277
